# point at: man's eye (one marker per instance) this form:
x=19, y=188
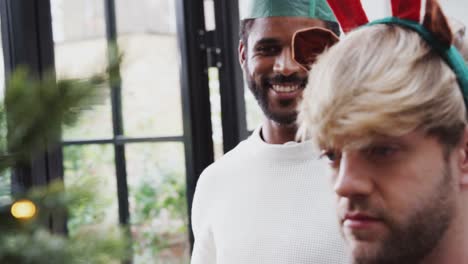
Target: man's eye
x=267, y=50
x=331, y=155
x=381, y=151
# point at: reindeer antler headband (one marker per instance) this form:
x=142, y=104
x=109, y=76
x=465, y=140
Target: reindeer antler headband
x=424, y=17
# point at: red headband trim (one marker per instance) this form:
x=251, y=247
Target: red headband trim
x=407, y=9
x=349, y=13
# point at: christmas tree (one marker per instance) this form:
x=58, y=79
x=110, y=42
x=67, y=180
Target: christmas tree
x=31, y=117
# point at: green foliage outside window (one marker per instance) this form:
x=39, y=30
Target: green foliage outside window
x=166, y=202
x=36, y=111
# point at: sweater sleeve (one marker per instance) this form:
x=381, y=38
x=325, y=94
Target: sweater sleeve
x=204, y=249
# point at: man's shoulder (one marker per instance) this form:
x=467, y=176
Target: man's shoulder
x=219, y=176
x=230, y=160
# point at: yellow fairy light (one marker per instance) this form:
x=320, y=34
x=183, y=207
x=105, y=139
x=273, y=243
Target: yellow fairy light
x=23, y=209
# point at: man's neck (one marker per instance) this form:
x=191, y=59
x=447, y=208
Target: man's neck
x=274, y=133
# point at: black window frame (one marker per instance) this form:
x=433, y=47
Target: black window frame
x=27, y=40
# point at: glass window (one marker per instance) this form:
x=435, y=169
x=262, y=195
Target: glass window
x=215, y=103
x=5, y=176
x=151, y=93
x=158, y=208
x=80, y=51
x=80, y=48
x=254, y=113
x=95, y=164
x=213, y=83
x=151, y=107
x=5, y=187
x=210, y=23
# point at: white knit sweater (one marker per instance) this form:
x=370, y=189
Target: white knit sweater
x=264, y=203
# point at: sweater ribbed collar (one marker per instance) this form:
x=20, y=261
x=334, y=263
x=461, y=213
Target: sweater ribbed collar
x=288, y=151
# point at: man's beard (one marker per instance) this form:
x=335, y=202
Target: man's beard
x=260, y=92
x=412, y=241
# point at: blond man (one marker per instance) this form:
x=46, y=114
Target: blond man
x=387, y=109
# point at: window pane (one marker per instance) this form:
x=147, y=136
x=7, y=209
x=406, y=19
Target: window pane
x=95, y=162
x=156, y=179
x=213, y=78
x=5, y=176
x=216, y=121
x=150, y=74
x=5, y=187
x=208, y=7
x=254, y=113
x=80, y=51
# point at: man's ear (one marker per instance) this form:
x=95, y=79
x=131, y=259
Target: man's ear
x=463, y=159
x=242, y=53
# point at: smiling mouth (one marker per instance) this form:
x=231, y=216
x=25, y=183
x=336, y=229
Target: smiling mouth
x=286, y=88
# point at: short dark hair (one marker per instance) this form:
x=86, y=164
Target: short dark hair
x=448, y=137
x=244, y=29
x=246, y=25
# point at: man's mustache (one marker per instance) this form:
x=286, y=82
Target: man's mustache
x=362, y=205
x=279, y=79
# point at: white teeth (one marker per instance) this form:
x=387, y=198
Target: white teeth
x=285, y=89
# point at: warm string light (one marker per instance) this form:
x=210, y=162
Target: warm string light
x=23, y=209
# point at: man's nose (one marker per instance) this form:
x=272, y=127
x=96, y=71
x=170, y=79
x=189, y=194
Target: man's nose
x=285, y=65
x=354, y=178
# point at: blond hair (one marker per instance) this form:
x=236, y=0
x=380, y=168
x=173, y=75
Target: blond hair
x=381, y=80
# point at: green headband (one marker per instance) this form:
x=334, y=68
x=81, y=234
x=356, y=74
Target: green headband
x=297, y=8
x=450, y=54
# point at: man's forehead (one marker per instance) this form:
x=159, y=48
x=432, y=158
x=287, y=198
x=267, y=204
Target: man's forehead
x=281, y=27
x=286, y=22
x=372, y=138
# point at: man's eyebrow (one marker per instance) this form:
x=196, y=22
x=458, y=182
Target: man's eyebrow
x=266, y=41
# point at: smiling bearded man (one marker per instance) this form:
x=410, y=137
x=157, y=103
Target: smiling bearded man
x=267, y=200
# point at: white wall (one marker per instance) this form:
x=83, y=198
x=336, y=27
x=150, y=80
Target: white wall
x=457, y=9
x=453, y=8
x=85, y=19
